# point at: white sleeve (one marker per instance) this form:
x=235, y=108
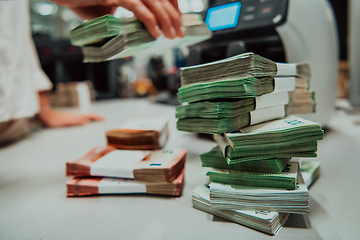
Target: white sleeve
x=40, y=80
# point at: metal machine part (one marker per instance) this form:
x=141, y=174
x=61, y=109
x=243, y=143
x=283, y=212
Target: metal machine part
x=310, y=34
x=283, y=31
x=354, y=52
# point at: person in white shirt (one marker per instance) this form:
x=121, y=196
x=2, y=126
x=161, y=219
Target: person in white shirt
x=24, y=85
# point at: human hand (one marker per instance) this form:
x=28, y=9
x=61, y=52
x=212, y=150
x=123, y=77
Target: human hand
x=155, y=14
x=52, y=118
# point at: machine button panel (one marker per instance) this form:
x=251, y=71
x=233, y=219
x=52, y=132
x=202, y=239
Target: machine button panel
x=250, y=9
x=249, y=17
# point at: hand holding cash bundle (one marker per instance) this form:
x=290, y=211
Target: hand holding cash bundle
x=159, y=171
x=106, y=38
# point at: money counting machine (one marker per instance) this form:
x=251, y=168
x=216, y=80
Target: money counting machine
x=281, y=30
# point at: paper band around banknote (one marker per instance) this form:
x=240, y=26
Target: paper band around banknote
x=151, y=166
x=230, y=123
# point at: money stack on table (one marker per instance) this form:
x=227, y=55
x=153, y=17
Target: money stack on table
x=72, y=94
x=107, y=38
x=245, y=101
x=226, y=95
x=126, y=166
x=106, y=170
x=140, y=134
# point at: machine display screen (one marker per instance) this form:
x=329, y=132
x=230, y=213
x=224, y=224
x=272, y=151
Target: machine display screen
x=223, y=17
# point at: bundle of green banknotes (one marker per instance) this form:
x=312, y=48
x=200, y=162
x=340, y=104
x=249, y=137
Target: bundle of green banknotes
x=239, y=91
x=248, y=102
x=107, y=37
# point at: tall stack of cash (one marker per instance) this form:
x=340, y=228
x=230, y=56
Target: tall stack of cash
x=265, y=221
x=106, y=38
x=246, y=101
x=106, y=170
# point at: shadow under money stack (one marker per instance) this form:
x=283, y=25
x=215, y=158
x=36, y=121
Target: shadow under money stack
x=240, y=98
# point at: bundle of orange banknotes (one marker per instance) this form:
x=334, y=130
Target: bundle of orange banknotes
x=107, y=170
x=140, y=134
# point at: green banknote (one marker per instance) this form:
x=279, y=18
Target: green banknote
x=98, y=30
x=282, y=131
x=310, y=171
x=287, y=179
x=230, y=123
x=221, y=108
x=240, y=66
x=107, y=38
x=237, y=197
x=233, y=88
x=288, y=137
x=215, y=159
x=267, y=222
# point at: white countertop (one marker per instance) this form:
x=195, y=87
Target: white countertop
x=33, y=202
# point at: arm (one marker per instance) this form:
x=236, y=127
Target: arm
x=155, y=14
x=53, y=118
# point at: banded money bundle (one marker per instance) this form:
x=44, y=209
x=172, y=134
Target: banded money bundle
x=110, y=171
x=140, y=134
x=288, y=137
x=240, y=91
x=215, y=159
x=101, y=185
x=106, y=38
x=267, y=222
x=239, y=197
x=246, y=100
x=264, y=221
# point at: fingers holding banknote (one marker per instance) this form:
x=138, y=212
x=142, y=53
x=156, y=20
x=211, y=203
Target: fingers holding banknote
x=159, y=16
x=156, y=15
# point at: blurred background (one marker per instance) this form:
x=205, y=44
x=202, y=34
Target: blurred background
x=157, y=75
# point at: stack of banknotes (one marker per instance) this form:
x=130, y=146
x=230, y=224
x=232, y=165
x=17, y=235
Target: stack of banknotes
x=247, y=102
x=106, y=170
x=140, y=134
x=264, y=221
x=106, y=38
x=276, y=186
x=71, y=94
x=239, y=91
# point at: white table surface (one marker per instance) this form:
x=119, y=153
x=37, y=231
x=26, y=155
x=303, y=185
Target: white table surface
x=33, y=202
